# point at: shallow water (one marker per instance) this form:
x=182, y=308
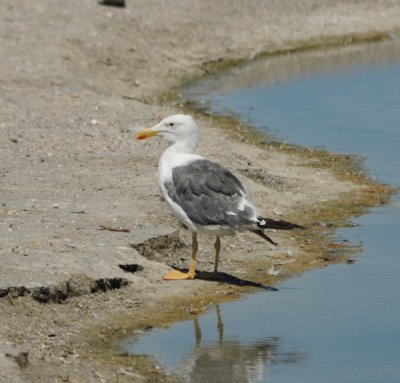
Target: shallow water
x=339, y=324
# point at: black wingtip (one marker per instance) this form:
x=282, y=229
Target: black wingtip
x=260, y=233
x=268, y=223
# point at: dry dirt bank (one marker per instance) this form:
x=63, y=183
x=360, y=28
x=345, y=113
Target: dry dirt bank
x=75, y=77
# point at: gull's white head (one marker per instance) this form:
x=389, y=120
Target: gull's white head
x=179, y=129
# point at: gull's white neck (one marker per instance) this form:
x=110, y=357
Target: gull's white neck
x=183, y=146
x=177, y=154
x=181, y=151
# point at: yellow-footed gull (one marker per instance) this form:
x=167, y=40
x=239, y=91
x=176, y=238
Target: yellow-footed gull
x=204, y=196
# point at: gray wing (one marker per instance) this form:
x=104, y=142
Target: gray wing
x=208, y=193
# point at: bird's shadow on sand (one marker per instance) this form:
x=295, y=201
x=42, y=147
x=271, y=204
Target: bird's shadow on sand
x=228, y=279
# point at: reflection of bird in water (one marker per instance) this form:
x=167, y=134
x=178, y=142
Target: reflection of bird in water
x=231, y=361
x=204, y=196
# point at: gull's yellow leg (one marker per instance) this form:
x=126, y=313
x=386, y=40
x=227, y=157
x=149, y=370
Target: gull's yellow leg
x=217, y=246
x=178, y=275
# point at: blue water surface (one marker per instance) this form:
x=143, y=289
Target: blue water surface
x=355, y=113
x=338, y=324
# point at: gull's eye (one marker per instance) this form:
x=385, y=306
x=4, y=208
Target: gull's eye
x=171, y=124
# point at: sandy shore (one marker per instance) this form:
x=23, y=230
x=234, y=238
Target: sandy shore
x=77, y=79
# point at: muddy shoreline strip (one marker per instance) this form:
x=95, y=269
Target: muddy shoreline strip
x=76, y=78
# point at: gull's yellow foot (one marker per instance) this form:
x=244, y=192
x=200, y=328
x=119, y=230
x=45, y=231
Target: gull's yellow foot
x=175, y=275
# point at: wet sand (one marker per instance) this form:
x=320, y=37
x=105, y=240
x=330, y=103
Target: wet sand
x=76, y=81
